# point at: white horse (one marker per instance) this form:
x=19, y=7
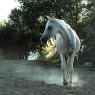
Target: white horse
x=67, y=44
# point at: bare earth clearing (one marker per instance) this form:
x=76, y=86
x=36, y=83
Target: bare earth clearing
x=20, y=77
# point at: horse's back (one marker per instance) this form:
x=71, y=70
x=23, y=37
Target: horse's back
x=78, y=44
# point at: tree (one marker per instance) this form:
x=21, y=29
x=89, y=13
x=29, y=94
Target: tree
x=33, y=12
x=6, y=38
x=88, y=38
x=27, y=23
x=23, y=35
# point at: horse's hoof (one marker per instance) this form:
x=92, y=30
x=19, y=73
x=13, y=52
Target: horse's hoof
x=65, y=82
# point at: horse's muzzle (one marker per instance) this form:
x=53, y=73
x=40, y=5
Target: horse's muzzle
x=43, y=40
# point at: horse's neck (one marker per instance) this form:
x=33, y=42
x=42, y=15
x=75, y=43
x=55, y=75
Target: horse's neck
x=63, y=32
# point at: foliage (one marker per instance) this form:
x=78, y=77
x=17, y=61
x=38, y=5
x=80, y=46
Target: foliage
x=84, y=26
x=6, y=37
x=89, y=32
x=21, y=34
x=49, y=51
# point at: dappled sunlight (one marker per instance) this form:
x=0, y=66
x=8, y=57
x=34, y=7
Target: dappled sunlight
x=49, y=50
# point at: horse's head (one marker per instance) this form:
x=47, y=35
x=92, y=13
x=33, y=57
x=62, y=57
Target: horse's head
x=51, y=29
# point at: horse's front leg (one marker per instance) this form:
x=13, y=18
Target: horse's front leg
x=70, y=68
x=64, y=69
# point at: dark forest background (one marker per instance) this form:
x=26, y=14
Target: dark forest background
x=21, y=34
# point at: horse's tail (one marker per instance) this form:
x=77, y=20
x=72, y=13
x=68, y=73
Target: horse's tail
x=50, y=49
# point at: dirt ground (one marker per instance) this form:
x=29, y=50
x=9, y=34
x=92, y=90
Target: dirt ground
x=20, y=77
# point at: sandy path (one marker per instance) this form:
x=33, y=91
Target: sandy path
x=38, y=78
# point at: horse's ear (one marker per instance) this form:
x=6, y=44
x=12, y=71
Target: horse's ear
x=48, y=17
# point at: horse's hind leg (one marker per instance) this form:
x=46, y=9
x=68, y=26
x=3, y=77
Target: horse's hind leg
x=63, y=67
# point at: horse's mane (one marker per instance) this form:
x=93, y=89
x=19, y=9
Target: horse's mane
x=67, y=32
x=62, y=22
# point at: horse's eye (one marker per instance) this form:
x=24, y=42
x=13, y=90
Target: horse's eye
x=49, y=27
